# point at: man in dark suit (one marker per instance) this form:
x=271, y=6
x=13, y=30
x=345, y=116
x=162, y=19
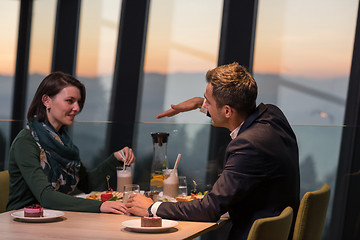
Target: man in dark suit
x=261, y=168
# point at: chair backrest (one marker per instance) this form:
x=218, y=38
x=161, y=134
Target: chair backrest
x=272, y=228
x=311, y=215
x=4, y=190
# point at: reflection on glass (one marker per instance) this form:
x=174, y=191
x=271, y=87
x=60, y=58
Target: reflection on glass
x=302, y=65
x=181, y=45
x=41, y=45
x=319, y=152
x=99, y=25
x=98, y=34
x=9, y=15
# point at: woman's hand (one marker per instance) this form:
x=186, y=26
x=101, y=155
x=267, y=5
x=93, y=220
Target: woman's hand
x=188, y=105
x=129, y=155
x=113, y=207
x=138, y=204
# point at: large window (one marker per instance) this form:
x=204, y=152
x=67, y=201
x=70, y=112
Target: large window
x=98, y=34
x=303, y=53
x=182, y=44
x=302, y=58
x=9, y=21
x=41, y=45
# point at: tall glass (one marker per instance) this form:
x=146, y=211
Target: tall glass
x=130, y=189
x=182, y=186
x=159, y=162
x=171, y=183
x=124, y=177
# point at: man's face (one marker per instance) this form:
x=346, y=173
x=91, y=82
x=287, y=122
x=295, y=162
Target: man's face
x=217, y=114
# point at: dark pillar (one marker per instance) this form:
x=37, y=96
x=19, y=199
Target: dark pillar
x=21, y=69
x=345, y=219
x=128, y=71
x=66, y=36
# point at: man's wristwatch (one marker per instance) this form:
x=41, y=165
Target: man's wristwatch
x=149, y=211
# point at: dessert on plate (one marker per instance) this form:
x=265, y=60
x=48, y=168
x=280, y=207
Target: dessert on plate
x=151, y=222
x=34, y=210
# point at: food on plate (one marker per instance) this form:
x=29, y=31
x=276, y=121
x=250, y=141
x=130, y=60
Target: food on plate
x=115, y=196
x=193, y=196
x=184, y=198
x=198, y=195
x=106, y=196
x=151, y=222
x=34, y=210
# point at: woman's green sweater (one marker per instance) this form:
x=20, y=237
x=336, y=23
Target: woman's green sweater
x=29, y=184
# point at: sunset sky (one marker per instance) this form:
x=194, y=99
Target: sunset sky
x=291, y=37
x=305, y=38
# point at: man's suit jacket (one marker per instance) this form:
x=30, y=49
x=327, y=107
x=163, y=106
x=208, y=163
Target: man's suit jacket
x=260, y=176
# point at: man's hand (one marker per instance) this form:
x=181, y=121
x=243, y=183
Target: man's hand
x=113, y=207
x=138, y=204
x=188, y=105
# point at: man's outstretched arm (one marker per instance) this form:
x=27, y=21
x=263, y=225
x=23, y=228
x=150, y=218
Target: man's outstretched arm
x=188, y=105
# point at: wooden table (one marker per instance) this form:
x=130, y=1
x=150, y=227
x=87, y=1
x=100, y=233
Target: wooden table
x=78, y=225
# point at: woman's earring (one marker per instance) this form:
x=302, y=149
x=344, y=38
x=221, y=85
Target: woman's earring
x=48, y=109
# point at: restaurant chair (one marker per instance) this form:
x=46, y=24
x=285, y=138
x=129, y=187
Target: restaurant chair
x=4, y=190
x=272, y=228
x=311, y=215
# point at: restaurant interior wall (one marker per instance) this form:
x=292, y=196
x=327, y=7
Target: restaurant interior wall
x=312, y=94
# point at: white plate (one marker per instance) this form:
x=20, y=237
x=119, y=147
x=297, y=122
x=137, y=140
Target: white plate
x=49, y=215
x=84, y=195
x=135, y=225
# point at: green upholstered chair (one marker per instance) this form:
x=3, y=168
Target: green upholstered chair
x=311, y=215
x=272, y=228
x=4, y=190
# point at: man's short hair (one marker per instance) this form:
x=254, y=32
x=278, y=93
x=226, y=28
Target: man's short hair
x=233, y=85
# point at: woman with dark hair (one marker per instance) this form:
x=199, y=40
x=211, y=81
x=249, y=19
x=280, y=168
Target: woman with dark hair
x=44, y=164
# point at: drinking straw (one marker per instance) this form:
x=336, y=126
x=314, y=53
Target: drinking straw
x=123, y=156
x=176, y=163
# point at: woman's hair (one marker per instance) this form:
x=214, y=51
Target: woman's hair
x=51, y=86
x=233, y=85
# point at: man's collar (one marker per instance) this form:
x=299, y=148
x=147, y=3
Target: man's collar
x=235, y=132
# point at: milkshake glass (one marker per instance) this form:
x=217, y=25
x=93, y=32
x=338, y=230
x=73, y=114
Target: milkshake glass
x=123, y=177
x=171, y=183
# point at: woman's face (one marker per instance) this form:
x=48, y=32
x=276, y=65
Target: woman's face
x=63, y=107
